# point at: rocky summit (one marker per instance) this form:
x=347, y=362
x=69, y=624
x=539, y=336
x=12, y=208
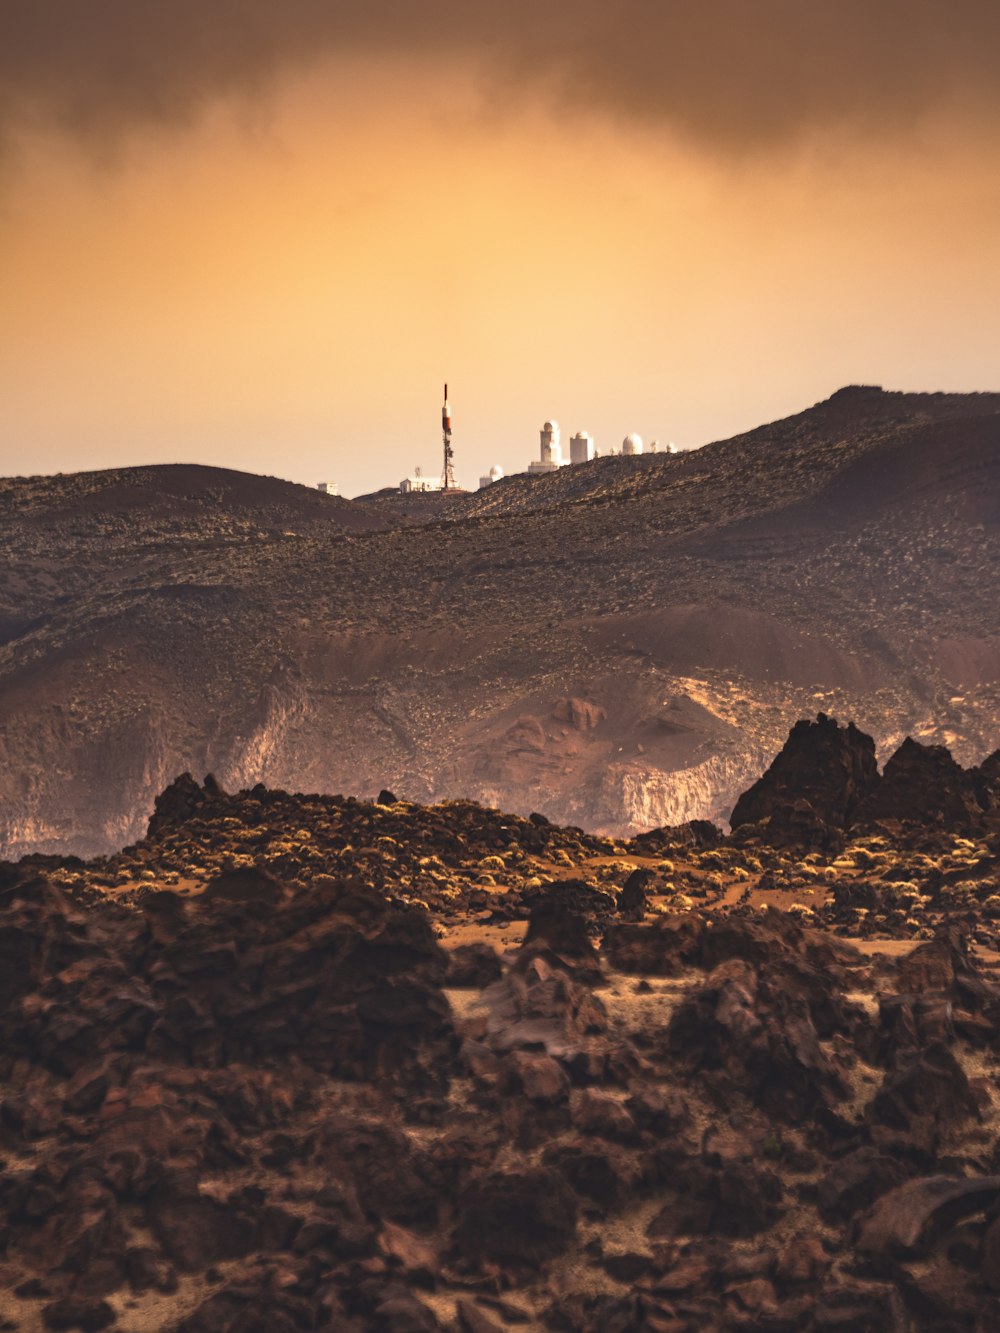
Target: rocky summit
x=295, y=1062
x=618, y=645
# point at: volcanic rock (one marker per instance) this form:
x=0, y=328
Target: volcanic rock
x=902, y=1222
x=474, y=966
x=830, y=768
x=601, y=1114
x=858, y=1306
x=181, y=800
x=760, y=1035
x=265, y=1108
x=660, y=949
x=921, y=784
x=252, y=885
x=633, y=899
x=924, y=1095
x=986, y=779
x=854, y=1182
x=516, y=1217
x=472, y=1319
x=543, y=1007
x=599, y=1173
x=194, y=1229
x=75, y=1313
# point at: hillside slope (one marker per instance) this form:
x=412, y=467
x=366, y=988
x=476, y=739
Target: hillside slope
x=617, y=645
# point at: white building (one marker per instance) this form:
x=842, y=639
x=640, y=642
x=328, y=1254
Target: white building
x=550, y=457
x=632, y=445
x=495, y=473
x=581, y=447
x=328, y=487
x=420, y=483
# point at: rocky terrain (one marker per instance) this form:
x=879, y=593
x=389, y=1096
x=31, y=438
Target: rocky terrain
x=617, y=646
x=301, y=1061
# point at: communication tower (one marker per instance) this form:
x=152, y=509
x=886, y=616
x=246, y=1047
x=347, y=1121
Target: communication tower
x=448, y=482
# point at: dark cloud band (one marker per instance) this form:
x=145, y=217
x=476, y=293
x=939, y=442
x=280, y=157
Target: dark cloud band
x=737, y=72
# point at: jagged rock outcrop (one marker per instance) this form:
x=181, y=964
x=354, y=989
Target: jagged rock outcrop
x=987, y=782
x=922, y=784
x=825, y=781
x=181, y=800
x=822, y=775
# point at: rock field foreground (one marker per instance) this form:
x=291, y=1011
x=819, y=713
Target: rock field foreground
x=304, y=1062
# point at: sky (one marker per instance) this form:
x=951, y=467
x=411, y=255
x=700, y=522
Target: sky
x=262, y=233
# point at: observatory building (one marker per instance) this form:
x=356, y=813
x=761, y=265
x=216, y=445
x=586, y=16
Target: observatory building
x=328, y=487
x=581, y=447
x=632, y=445
x=550, y=457
x=494, y=474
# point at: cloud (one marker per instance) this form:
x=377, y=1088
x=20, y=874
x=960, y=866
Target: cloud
x=735, y=73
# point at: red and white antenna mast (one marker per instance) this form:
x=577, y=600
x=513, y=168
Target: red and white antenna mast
x=448, y=482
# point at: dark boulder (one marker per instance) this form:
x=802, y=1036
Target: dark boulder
x=986, y=779
x=601, y=1174
x=660, y=949
x=181, y=801
x=754, y=1030
x=737, y=1199
x=251, y=884
x=74, y=1312
x=634, y=897
x=926, y=1094
x=565, y=914
x=194, y=1229
x=520, y=1217
x=473, y=966
x=854, y=1306
x=542, y=1006
x=903, y=1222
x=854, y=1183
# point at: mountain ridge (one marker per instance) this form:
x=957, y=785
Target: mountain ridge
x=842, y=559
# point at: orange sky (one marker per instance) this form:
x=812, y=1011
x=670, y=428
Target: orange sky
x=283, y=286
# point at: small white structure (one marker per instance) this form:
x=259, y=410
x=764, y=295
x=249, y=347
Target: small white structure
x=419, y=483
x=550, y=457
x=328, y=487
x=632, y=445
x=581, y=447
x=495, y=473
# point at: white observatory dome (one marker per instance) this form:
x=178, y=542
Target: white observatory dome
x=632, y=444
x=582, y=435
x=496, y=471
x=551, y=426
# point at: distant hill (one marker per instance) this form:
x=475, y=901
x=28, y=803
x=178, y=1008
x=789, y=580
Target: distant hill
x=618, y=645
x=170, y=493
